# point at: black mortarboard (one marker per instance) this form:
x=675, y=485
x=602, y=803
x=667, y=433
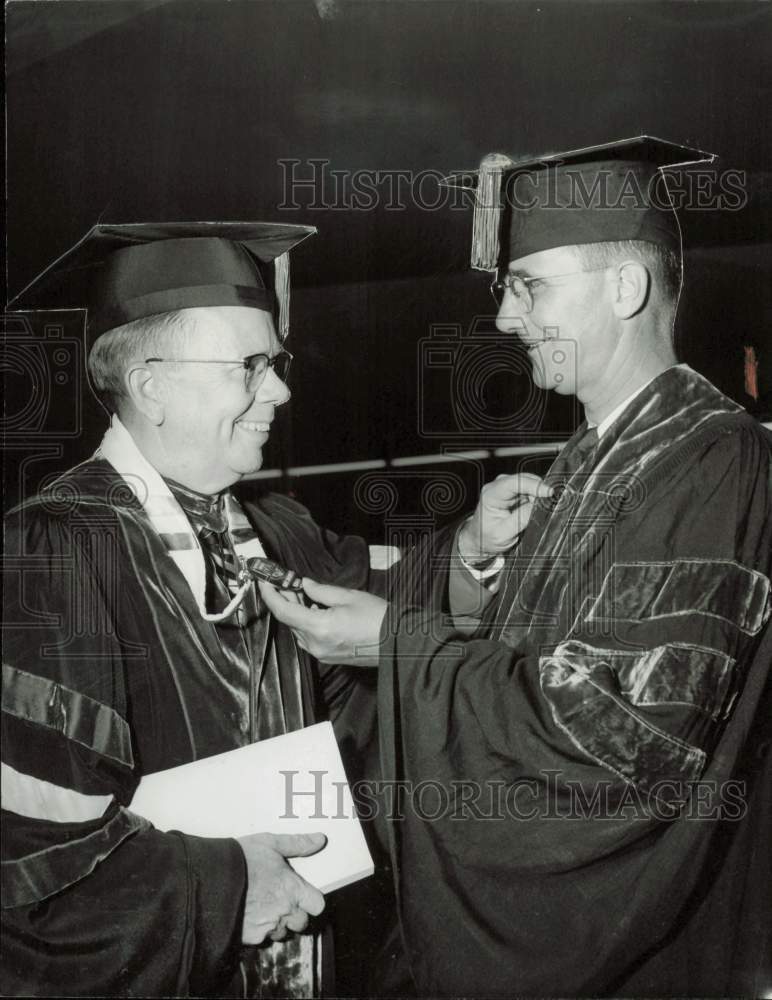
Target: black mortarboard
x=122, y=273
x=612, y=192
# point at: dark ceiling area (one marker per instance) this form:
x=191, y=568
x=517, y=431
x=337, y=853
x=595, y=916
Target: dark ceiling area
x=127, y=111
x=130, y=111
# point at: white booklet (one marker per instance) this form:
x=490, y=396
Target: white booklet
x=289, y=784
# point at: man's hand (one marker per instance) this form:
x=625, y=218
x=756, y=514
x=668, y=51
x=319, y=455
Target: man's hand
x=347, y=630
x=278, y=899
x=502, y=513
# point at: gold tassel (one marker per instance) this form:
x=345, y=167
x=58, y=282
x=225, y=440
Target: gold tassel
x=281, y=283
x=487, y=211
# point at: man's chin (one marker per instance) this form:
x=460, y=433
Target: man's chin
x=544, y=379
x=248, y=466
x=561, y=386
x=551, y=377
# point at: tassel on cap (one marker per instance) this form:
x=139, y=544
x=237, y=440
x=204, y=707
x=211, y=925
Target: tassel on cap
x=281, y=281
x=487, y=211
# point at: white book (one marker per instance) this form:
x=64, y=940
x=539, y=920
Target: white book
x=289, y=784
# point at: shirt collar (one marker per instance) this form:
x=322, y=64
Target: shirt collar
x=202, y=508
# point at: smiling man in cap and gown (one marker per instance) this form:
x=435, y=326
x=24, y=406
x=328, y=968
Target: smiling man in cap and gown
x=599, y=819
x=132, y=645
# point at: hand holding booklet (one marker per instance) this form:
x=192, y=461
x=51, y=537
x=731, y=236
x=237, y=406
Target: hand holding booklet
x=293, y=783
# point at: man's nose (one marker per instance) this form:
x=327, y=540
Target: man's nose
x=272, y=389
x=509, y=318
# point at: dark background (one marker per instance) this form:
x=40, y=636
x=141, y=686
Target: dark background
x=139, y=111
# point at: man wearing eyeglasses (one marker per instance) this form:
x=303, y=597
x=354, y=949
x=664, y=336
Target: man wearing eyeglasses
x=133, y=643
x=598, y=819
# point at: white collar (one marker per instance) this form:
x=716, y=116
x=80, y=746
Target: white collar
x=168, y=519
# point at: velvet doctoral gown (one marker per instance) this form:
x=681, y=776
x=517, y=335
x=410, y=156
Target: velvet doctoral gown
x=110, y=672
x=581, y=800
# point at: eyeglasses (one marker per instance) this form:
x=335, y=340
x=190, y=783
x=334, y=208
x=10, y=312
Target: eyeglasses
x=255, y=366
x=521, y=287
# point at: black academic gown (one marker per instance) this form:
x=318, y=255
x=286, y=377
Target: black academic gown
x=111, y=673
x=585, y=811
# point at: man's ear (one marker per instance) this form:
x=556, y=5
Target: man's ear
x=633, y=289
x=143, y=391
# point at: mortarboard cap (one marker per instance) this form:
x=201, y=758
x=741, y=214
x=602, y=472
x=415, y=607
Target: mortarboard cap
x=121, y=273
x=612, y=192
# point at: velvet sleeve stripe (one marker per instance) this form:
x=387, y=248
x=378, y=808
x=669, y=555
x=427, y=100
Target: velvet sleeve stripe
x=718, y=588
x=586, y=705
x=673, y=673
x=46, y=703
x=37, y=876
x=34, y=798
